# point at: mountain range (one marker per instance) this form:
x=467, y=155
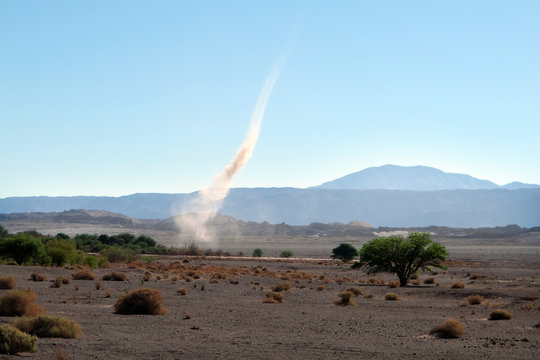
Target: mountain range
x=382, y=196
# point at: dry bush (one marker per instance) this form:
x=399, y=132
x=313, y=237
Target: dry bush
x=115, y=276
x=59, y=281
x=345, y=298
x=464, y=303
x=344, y=279
x=530, y=297
x=7, y=282
x=391, y=296
x=48, y=326
x=394, y=284
x=429, y=281
x=141, y=301
x=414, y=276
x=12, y=340
x=500, y=314
x=527, y=306
x=369, y=296
x=214, y=281
x=475, y=299
x=376, y=281
x=83, y=275
x=273, y=298
x=450, y=329
x=416, y=282
x=458, y=285
x=97, y=285
x=38, y=277
x=20, y=302
x=284, y=286
x=476, y=276
x=285, y=277
x=320, y=288
x=181, y=291
x=356, y=291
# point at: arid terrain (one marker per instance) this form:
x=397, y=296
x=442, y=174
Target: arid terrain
x=223, y=316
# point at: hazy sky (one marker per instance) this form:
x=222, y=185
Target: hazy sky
x=119, y=97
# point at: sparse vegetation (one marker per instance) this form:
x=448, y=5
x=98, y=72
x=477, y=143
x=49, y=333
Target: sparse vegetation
x=475, y=299
x=13, y=341
x=19, y=302
x=391, y=296
x=181, y=291
x=83, y=275
x=257, y=253
x=286, y=254
x=403, y=257
x=393, y=284
x=38, y=277
x=7, y=282
x=450, y=329
x=356, y=291
x=48, y=326
x=500, y=314
x=458, y=285
x=429, y=281
x=284, y=286
x=141, y=301
x=273, y=297
x=345, y=298
x=115, y=276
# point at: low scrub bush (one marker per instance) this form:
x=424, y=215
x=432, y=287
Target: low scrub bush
x=476, y=276
x=450, y=329
x=391, y=296
x=59, y=281
x=286, y=254
x=83, y=275
x=141, y=301
x=284, y=286
x=38, y=277
x=458, y=285
x=429, y=281
x=345, y=298
x=394, y=284
x=414, y=276
x=181, y=291
x=273, y=297
x=356, y=291
x=115, y=276
x=320, y=288
x=19, y=302
x=12, y=340
x=375, y=281
x=7, y=282
x=475, y=299
x=48, y=326
x=500, y=314
x=527, y=306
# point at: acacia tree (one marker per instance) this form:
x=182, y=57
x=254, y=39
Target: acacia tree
x=344, y=252
x=400, y=256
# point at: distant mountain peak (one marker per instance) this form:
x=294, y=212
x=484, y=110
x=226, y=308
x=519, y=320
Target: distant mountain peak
x=417, y=178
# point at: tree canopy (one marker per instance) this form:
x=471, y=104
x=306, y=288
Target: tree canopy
x=403, y=257
x=344, y=252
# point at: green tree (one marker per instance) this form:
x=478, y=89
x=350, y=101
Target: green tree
x=23, y=248
x=286, y=254
x=257, y=252
x=344, y=252
x=400, y=256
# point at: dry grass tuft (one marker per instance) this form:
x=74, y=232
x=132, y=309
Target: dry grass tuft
x=416, y=282
x=181, y=291
x=141, y=301
x=429, y=281
x=450, y=329
x=320, y=288
x=83, y=275
x=356, y=291
x=20, y=302
x=527, y=306
x=7, y=282
x=59, y=281
x=391, y=296
x=475, y=299
x=500, y=314
x=476, y=276
x=38, y=277
x=13, y=340
x=530, y=297
x=375, y=281
x=458, y=285
x=284, y=286
x=345, y=298
x=394, y=284
x=273, y=297
x=115, y=276
x=369, y=296
x=414, y=276
x=48, y=326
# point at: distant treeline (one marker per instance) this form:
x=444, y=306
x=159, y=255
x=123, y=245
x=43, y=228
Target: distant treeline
x=32, y=247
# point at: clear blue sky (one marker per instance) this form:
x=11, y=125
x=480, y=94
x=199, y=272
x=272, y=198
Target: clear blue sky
x=119, y=97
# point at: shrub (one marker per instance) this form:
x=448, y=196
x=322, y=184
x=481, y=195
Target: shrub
x=530, y=297
x=83, y=275
x=394, y=284
x=273, y=298
x=181, y=291
x=257, y=252
x=527, y=306
x=375, y=281
x=476, y=276
x=38, y=277
x=7, y=282
x=48, y=326
x=475, y=299
x=141, y=301
x=403, y=257
x=429, y=281
x=450, y=329
x=320, y=288
x=117, y=254
x=24, y=248
x=286, y=254
x=356, y=291
x=500, y=314
x=59, y=281
x=391, y=296
x=344, y=252
x=115, y=276
x=19, y=302
x=12, y=340
x=458, y=285
x=414, y=276
x=345, y=298
x=284, y=286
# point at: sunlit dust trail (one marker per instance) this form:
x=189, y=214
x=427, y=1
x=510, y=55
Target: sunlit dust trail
x=204, y=207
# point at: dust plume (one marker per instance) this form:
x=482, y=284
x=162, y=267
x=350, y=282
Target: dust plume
x=203, y=208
